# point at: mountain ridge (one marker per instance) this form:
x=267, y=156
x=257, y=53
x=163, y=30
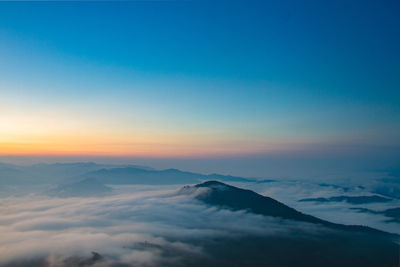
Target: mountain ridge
x=231, y=197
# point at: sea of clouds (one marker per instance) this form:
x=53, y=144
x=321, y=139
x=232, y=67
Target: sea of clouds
x=139, y=226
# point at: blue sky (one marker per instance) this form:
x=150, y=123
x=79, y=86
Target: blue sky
x=198, y=78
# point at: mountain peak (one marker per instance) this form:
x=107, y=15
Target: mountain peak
x=213, y=184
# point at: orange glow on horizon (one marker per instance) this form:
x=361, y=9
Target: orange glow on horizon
x=101, y=146
x=30, y=149
x=43, y=135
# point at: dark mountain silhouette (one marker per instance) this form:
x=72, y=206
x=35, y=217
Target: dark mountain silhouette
x=349, y=199
x=227, y=196
x=337, y=245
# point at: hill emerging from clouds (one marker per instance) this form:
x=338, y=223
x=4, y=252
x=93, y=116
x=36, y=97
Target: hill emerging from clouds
x=208, y=224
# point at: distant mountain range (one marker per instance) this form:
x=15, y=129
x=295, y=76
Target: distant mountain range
x=63, y=173
x=51, y=173
x=133, y=175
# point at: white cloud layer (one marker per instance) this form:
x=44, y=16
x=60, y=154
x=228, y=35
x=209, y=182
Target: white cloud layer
x=133, y=227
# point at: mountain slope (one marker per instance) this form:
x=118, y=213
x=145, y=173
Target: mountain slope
x=328, y=244
x=223, y=195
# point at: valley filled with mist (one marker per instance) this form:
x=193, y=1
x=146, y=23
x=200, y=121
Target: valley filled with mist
x=88, y=214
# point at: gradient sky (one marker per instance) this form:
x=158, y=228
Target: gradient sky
x=198, y=78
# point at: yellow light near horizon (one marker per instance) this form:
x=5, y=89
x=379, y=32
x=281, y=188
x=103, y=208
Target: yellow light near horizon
x=38, y=134
x=91, y=148
x=124, y=144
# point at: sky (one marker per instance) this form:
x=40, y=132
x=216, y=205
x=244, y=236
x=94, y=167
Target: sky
x=200, y=79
